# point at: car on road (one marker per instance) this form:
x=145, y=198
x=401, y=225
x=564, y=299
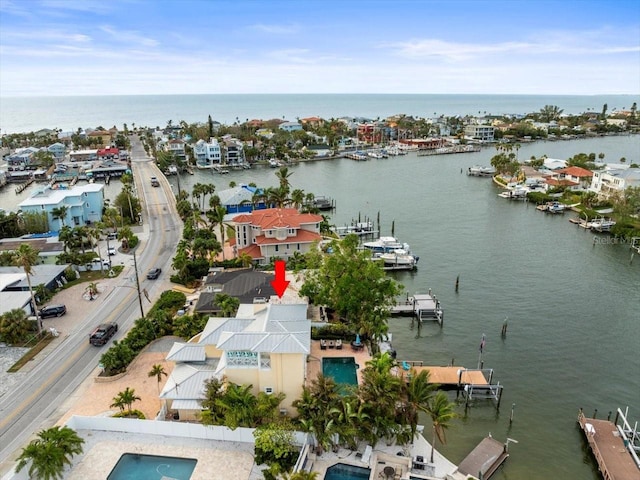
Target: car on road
x=155, y=182
x=154, y=273
x=111, y=251
x=52, y=311
x=112, y=236
x=103, y=333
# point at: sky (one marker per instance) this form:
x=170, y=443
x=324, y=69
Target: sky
x=120, y=47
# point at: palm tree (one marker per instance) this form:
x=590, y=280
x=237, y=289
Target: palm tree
x=14, y=326
x=125, y=399
x=441, y=411
x=228, y=304
x=418, y=392
x=60, y=213
x=157, y=371
x=92, y=290
x=26, y=257
x=50, y=452
x=216, y=216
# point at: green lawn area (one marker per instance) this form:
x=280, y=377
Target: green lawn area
x=93, y=276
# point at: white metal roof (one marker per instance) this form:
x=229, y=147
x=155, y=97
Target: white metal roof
x=187, y=352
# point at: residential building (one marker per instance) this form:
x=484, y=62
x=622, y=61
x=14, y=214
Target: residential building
x=14, y=288
x=483, y=133
x=111, y=153
x=83, y=155
x=275, y=233
x=613, y=181
x=290, y=126
x=265, y=346
x=176, y=147
x=579, y=178
x=247, y=285
x=58, y=150
x=233, y=151
x=22, y=157
x=84, y=204
x=242, y=199
x=206, y=154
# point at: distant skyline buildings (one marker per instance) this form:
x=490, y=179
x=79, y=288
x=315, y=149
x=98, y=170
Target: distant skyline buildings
x=124, y=47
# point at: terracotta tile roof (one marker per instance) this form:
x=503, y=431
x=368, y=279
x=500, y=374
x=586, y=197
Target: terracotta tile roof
x=576, y=172
x=253, y=251
x=303, y=236
x=277, y=217
x=561, y=183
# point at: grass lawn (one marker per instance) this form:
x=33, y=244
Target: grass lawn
x=92, y=276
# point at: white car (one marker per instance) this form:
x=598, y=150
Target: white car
x=111, y=251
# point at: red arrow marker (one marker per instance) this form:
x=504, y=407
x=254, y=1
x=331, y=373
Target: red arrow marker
x=279, y=283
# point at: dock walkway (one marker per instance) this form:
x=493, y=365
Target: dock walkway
x=425, y=306
x=610, y=448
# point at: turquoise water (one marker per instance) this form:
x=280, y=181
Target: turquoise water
x=132, y=466
x=341, y=471
x=341, y=369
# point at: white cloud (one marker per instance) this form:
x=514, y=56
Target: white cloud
x=275, y=29
x=125, y=36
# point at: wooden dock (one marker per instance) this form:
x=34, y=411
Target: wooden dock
x=424, y=306
x=474, y=383
x=612, y=446
x=484, y=460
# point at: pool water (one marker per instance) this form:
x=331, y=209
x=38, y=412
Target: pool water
x=341, y=369
x=133, y=466
x=342, y=471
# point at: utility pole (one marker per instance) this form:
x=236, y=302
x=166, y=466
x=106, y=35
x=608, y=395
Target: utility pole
x=135, y=265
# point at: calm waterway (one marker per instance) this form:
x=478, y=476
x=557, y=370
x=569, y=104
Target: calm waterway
x=573, y=308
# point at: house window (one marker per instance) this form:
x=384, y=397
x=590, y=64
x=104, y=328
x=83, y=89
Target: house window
x=265, y=361
x=277, y=247
x=242, y=359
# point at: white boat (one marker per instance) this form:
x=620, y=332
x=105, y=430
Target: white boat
x=556, y=207
x=481, y=171
x=602, y=224
x=385, y=245
x=273, y=163
x=398, y=259
x=517, y=193
x=173, y=170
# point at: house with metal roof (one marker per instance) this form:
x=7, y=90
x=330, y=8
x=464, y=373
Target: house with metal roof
x=247, y=285
x=242, y=199
x=265, y=346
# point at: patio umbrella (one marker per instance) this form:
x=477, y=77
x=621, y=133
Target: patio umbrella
x=357, y=339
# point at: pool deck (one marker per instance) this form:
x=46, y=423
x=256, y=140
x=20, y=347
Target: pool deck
x=314, y=365
x=216, y=460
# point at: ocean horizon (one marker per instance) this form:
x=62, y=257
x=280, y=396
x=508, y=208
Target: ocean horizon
x=68, y=113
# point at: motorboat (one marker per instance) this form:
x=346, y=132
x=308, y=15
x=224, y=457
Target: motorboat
x=602, y=224
x=385, y=245
x=398, y=259
x=481, y=171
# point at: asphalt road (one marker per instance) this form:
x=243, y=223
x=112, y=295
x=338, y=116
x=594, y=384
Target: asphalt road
x=36, y=403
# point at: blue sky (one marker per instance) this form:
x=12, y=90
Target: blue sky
x=105, y=47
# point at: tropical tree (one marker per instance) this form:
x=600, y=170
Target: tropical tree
x=126, y=398
x=91, y=290
x=60, y=213
x=216, y=216
x=418, y=394
x=50, y=453
x=441, y=411
x=26, y=257
x=157, y=371
x=14, y=326
x=228, y=304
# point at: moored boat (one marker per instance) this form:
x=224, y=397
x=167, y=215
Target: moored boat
x=385, y=245
x=481, y=171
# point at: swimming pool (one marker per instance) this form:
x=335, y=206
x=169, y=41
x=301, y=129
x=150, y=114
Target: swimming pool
x=342, y=471
x=341, y=369
x=133, y=466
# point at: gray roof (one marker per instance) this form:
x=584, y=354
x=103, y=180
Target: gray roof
x=244, y=284
x=187, y=352
x=276, y=328
x=11, y=300
x=41, y=274
x=236, y=195
x=186, y=382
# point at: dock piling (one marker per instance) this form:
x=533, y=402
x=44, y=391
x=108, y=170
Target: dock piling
x=513, y=406
x=457, y=282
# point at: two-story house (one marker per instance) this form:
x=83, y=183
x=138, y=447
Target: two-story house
x=22, y=157
x=483, y=133
x=83, y=202
x=58, y=150
x=265, y=346
x=614, y=181
x=575, y=178
x=275, y=233
x=233, y=152
x=208, y=154
x=242, y=199
x=290, y=126
x=176, y=147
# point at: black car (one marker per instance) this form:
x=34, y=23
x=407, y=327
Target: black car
x=103, y=333
x=154, y=273
x=52, y=311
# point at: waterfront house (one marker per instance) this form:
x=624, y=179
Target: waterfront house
x=245, y=284
x=84, y=204
x=83, y=155
x=613, y=181
x=22, y=157
x=111, y=153
x=242, y=199
x=482, y=133
x=576, y=178
x=233, y=151
x=176, y=147
x=264, y=345
x=275, y=233
x=206, y=154
x=58, y=150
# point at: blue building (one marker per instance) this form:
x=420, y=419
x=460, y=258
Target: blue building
x=84, y=204
x=241, y=199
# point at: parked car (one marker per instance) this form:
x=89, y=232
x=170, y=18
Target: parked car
x=111, y=251
x=112, y=236
x=154, y=273
x=95, y=264
x=103, y=333
x=52, y=311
